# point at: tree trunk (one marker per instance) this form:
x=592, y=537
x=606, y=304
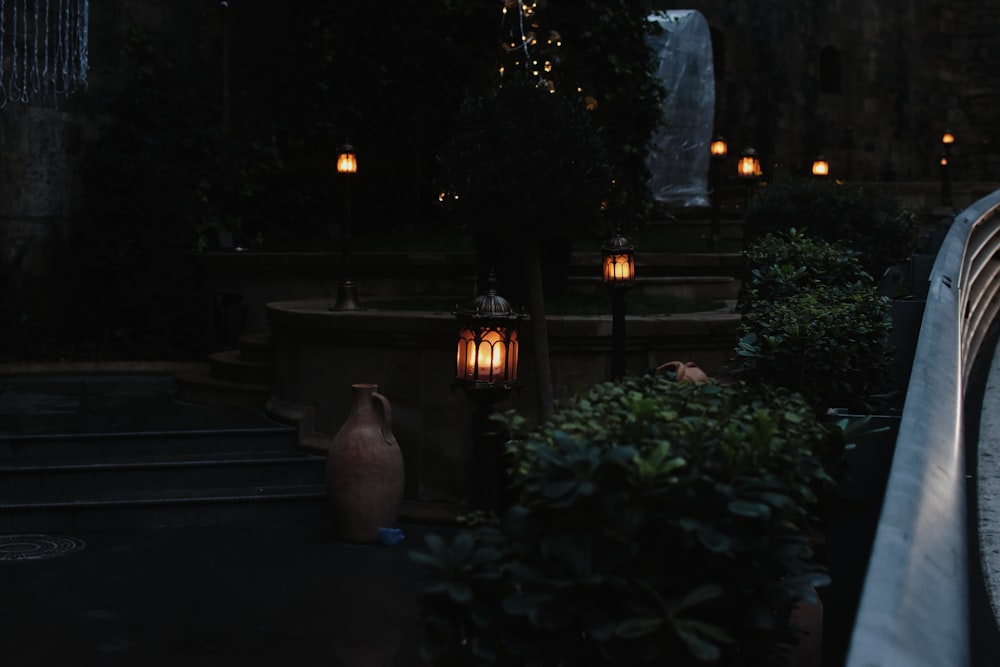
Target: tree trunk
x=539, y=332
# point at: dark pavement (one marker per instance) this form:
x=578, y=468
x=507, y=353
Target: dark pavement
x=258, y=593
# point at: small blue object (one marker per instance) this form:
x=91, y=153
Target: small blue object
x=390, y=536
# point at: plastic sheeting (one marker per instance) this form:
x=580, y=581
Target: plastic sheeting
x=679, y=151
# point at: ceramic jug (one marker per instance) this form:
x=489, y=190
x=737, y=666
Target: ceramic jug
x=364, y=469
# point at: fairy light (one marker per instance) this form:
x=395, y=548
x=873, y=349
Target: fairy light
x=524, y=33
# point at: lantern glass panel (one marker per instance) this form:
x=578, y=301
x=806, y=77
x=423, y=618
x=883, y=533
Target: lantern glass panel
x=619, y=268
x=347, y=163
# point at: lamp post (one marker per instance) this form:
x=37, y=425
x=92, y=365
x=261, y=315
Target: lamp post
x=820, y=168
x=347, y=291
x=947, y=139
x=748, y=170
x=618, y=275
x=486, y=369
x=718, y=150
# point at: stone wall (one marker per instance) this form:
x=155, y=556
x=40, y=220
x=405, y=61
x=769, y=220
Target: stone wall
x=909, y=70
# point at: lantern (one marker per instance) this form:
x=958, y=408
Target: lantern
x=748, y=166
x=948, y=138
x=820, y=167
x=719, y=148
x=347, y=160
x=619, y=262
x=487, y=354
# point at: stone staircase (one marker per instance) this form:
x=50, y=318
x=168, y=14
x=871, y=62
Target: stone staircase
x=197, y=477
x=239, y=378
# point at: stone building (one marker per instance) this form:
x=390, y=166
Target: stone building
x=870, y=85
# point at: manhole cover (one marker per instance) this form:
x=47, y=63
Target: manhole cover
x=33, y=547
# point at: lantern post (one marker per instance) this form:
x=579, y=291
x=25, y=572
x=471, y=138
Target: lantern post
x=618, y=255
x=347, y=291
x=486, y=369
x=718, y=150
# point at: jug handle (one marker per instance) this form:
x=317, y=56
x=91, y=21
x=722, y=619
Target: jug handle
x=382, y=405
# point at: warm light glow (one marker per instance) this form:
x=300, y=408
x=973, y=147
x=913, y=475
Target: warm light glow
x=619, y=268
x=944, y=162
x=347, y=161
x=948, y=138
x=749, y=166
x=490, y=359
x=719, y=148
x=821, y=167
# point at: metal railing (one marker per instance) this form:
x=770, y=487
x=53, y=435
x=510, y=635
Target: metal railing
x=914, y=607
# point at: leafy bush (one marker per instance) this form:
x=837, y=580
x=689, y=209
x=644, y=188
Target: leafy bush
x=830, y=344
x=784, y=263
x=656, y=522
x=812, y=321
x=877, y=226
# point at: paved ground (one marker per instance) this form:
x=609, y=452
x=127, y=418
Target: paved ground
x=255, y=595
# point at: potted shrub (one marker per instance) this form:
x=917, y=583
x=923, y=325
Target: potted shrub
x=655, y=521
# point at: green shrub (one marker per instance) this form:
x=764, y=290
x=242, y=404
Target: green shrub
x=657, y=522
x=829, y=343
x=877, y=226
x=784, y=263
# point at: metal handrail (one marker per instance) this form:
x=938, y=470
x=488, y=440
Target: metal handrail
x=914, y=607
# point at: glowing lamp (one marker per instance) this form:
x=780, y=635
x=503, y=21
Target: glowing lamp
x=487, y=354
x=719, y=148
x=821, y=167
x=944, y=161
x=948, y=138
x=619, y=262
x=347, y=160
x=748, y=166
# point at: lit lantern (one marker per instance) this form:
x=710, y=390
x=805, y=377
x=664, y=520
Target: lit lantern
x=347, y=160
x=619, y=262
x=821, y=167
x=749, y=165
x=487, y=355
x=948, y=138
x=718, y=148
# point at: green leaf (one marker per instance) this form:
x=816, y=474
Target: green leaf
x=749, y=509
x=634, y=628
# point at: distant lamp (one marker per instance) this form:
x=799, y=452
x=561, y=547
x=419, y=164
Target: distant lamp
x=347, y=290
x=748, y=166
x=947, y=139
x=487, y=356
x=719, y=148
x=619, y=262
x=347, y=160
x=820, y=167
x=619, y=274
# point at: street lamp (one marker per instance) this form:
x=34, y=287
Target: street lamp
x=947, y=139
x=821, y=167
x=748, y=170
x=618, y=274
x=718, y=150
x=486, y=369
x=347, y=291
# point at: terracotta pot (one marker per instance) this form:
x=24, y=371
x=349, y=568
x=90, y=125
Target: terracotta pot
x=364, y=469
x=683, y=371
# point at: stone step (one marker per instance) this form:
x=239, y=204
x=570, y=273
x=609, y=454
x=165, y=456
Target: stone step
x=200, y=387
x=230, y=366
x=158, y=475
x=79, y=448
x=236, y=506
x=256, y=347
x=692, y=288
